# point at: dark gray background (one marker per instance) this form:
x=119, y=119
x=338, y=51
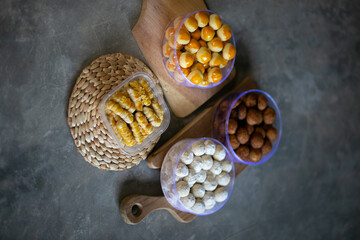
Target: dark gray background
x=306, y=54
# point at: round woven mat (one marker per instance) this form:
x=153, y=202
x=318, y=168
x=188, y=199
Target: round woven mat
x=90, y=134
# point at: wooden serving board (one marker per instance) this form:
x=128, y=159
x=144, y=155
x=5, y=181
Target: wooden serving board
x=149, y=31
x=198, y=127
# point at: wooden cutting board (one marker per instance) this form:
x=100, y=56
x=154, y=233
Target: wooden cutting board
x=149, y=31
x=135, y=208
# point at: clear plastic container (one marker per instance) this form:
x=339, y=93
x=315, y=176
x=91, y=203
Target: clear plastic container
x=221, y=121
x=178, y=75
x=168, y=176
x=132, y=150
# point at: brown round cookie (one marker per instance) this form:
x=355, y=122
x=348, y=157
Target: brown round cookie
x=242, y=135
x=250, y=100
x=255, y=155
x=232, y=126
x=241, y=112
x=271, y=134
x=269, y=115
x=243, y=152
x=266, y=148
x=254, y=116
x=261, y=131
x=250, y=129
x=256, y=140
x=234, y=142
x=262, y=102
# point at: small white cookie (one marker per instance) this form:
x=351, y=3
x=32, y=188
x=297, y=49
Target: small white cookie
x=210, y=183
x=207, y=162
x=223, y=179
x=198, y=190
x=221, y=194
x=220, y=153
x=201, y=176
x=216, y=168
x=199, y=206
x=182, y=188
x=191, y=184
x=191, y=177
x=209, y=147
x=188, y=201
x=196, y=164
x=182, y=170
x=226, y=165
x=198, y=148
x=209, y=200
x=187, y=157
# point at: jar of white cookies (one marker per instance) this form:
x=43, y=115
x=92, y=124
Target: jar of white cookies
x=197, y=175
x=198, y=49
x=135, y=113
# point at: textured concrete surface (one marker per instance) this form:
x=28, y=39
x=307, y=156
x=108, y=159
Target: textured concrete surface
x=306, y=54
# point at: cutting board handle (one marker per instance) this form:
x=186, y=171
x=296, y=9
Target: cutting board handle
x=135, y=208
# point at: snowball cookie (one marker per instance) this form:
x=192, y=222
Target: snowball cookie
x=182, y=170
x=196, y=164
x=226, y=165
x=220, y=153
x=221, y=194
x=198, y=190
x=188, y=201
x=209, y=147
x=177, y=178
x=182, y=188
x=209, y=200
x=207, y=162
x=187, y=156
x=223, y=179
x=198, y=148
x=216, y=168
x=191, y=177
x=210, y=183
x=201, y=176
x=199, y=206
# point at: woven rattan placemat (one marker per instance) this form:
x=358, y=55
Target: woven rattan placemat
x=90, y=134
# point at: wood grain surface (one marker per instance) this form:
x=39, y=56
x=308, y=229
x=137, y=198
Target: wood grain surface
x=149, y=31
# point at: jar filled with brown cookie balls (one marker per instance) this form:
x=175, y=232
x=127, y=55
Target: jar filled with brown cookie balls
x=249, y=125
